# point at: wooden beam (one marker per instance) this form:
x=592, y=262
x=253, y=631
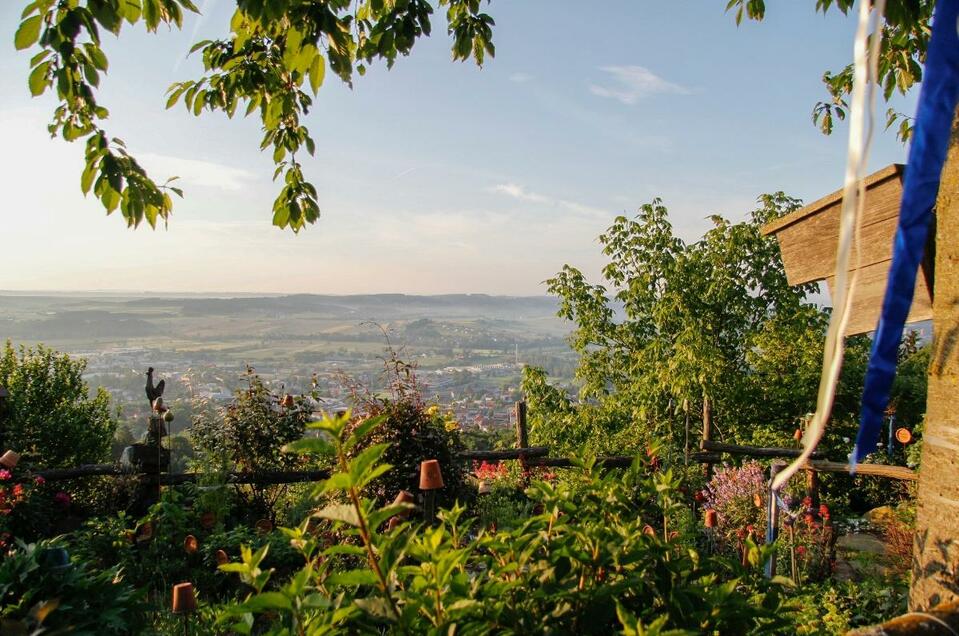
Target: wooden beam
x=753, y=451
x=874, y=470
x=512, y=453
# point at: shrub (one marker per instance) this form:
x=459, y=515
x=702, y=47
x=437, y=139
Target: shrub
x=247, y=436
x=587, y=563
x=738, y=495
x=40, y=595
x=49, y=416
x=413, y=432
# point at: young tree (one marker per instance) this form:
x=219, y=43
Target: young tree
x=682, y=324
x=273, y=51
x=49, y=416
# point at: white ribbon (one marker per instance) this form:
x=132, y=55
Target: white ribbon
x=861, y=123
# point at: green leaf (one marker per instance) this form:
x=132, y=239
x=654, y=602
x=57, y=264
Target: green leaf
x=361, y=464
x=310, y=446
x=38, y=79
x=340, y=512
x=268, y=600
x=28, y=33
x=317, y=73
x=352, y=577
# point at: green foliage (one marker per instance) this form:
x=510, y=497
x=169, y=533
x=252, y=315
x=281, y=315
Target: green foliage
x=587, y=563
x=273, y=50
x=49, y=416
x=714, y=319
x=836, y=607
x=37, y=595
x=247, y=436
x=412, y=432
x=905, y=37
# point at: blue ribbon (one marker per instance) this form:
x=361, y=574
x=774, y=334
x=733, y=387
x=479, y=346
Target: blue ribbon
x=937, y=107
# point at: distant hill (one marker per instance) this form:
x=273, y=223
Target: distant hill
x=365, y=306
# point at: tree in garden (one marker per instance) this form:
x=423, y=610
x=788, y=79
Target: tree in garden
x=273, y=52
x=49, y=416
x=684, y=323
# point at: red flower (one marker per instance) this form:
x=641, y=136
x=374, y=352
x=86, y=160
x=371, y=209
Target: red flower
x=62, y=498
x=18, y=490
x=39, y=480
x=823, y=510
x=4, y=474
x=801, y=550
x=810, y=519
x=807, y=502
x=699, y=497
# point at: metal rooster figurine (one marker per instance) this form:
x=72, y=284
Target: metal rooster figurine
x=153, y=392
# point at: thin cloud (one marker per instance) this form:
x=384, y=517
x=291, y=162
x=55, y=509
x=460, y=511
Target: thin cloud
x=520, y=78
x=522, y=194
x=633, y=83
x=197, y=172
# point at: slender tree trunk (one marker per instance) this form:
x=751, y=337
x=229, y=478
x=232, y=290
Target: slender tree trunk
x=935, y=571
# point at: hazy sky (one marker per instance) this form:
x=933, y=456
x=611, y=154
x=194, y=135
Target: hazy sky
x=438, y=176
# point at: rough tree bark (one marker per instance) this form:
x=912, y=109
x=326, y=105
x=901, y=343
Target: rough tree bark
x=935, y=571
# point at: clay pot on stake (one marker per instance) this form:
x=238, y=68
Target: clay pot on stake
x=431, y=480
x=184, y=603
x=10, y=459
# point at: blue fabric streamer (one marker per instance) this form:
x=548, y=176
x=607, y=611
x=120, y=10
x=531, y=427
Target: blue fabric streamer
x=937, y=106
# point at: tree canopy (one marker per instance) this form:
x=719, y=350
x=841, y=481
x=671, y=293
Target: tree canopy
x=272, y=62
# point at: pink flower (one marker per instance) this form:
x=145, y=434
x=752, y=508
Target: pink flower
x=62, y=498
x=39, y=480
x=18, y=490
x=5, y=474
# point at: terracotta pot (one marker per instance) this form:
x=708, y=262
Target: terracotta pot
x=221, y=557
x=649, y=530
x=264, y=526
x=404, y=496
x=190, y=544
x=208, y=520
x=10, y=459
x=431, y=478
x=712, y=518
x=903, y=435
x=392, y=523
x=288, y=401
x=145, y=532
x=184, y=599
x=483, y=488
x=798, y=434
x=758, y=500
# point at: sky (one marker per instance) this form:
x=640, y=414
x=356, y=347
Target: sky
x=438, y=176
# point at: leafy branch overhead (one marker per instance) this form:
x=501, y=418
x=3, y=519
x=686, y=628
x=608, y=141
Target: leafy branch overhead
x=905, y=37
x=275, y=48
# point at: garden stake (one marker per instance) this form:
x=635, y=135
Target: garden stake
x=772, y=520
x=431, y=480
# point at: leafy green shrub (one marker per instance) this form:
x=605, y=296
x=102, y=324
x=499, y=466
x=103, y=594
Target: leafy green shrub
x=247, y=436
x=49, y=416
x=834, y=607
x=413, y=432
x=596, y=559
x=40, y=595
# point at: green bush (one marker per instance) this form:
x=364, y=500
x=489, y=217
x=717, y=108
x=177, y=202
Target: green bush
x=40, y=595
x=247, y=436
x=49, y=416
x=599, y=558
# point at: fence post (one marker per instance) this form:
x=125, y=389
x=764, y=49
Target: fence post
x=707, y=432
x=522, y=434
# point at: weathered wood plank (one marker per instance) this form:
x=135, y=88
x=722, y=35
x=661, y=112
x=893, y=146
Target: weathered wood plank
x=500, y=455
x=752, y=451
x=876, y=470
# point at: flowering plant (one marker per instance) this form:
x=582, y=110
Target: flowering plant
x=810, y=539
x=12, y=496
x=738, y=495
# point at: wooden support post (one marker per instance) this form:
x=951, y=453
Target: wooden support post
x=522, y=439
x=522, y=435
x=936, y=552
x=707, y=432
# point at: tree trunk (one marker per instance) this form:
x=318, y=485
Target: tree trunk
x=935, y=570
